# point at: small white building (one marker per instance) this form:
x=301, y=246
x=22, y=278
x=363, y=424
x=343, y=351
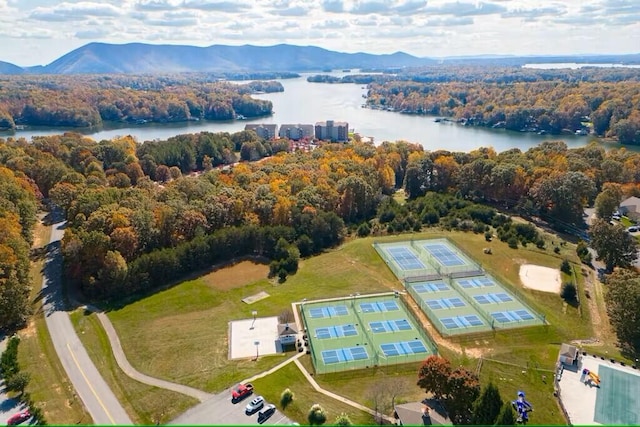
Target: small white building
x=568, y=354
x=287, y=334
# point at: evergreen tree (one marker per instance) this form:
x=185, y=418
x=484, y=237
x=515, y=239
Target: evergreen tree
x=487, y=407
x=506, y=416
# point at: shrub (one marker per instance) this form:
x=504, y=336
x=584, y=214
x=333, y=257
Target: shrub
x=364, y=229
x=565, y=267
x=556, y=250
x=342, y=420
x=286, y=398
x=569, y=293
x=316, y=416
x=583, y=252
x=17, y=382
x=540, y=243
x=513, y=242
x=488, y=236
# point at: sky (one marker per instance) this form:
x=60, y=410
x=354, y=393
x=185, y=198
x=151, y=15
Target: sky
x=36, y=32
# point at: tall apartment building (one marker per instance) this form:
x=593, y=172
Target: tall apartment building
x=262, y=130
x=332, y=131
x=296, y=132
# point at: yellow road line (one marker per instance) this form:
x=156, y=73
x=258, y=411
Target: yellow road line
x=89, y=384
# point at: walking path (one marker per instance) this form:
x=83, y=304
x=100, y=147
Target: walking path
x=126, y=367
x=356, y=405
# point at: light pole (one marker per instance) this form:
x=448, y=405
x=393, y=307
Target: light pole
x=257, y=344
x=254, y=313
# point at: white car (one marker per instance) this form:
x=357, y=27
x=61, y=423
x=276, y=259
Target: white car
x=633, y=229
x=254, y=405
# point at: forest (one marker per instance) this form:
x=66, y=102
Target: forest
x=142, y=215
x=90, y=100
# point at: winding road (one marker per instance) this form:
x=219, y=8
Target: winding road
x=94, y=392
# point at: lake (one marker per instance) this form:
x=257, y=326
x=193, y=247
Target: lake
x=304, y=102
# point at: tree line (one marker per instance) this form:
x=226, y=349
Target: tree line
x=91, y=100
x=133, y=210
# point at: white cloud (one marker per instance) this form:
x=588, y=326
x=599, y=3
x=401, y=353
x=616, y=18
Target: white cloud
x=436, y=28
x=73, y=11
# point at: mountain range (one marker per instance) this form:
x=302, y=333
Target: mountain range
x=140, y=58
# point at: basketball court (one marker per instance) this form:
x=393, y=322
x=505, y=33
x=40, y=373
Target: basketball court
x=245, y=333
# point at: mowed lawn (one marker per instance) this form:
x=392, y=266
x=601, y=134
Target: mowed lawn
x=181, y=333
x=272, y=386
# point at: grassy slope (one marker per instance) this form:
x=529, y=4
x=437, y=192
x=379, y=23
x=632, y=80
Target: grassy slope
x=290, y=376
x=49, y=386
x=173, y=334
x=144, y=404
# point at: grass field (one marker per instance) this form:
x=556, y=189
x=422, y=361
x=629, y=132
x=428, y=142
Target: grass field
x=290, y=376
x=49, y=386
x=144, y=404
x=180, y=333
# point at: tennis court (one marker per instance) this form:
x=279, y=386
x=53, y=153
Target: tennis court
x=447, y=308
x=443, y=254
x=498, y=305
x=403, y=347
x=404, y=260
x=618, y=398
x=354, y=340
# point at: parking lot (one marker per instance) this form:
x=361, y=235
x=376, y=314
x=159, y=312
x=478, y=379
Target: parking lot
x=220, y=410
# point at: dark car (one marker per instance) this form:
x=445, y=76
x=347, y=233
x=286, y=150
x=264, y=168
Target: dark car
x=266, y=413
x=254, y=405
x=19, y=418
x=241, y=391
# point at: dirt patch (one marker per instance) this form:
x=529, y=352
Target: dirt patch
x=29, y=330
x=236, y=275
x=540, y=278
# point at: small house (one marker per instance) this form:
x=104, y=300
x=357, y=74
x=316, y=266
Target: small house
x=630, y=208
x=421, y=414
x=287, y=334
x=568, y=354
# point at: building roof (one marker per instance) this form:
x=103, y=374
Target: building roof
x=286, y=329
x=293, y=126
x=422, y=413
x=335, y=124
x=256, y=126
x=568, y=350
x=631, y=202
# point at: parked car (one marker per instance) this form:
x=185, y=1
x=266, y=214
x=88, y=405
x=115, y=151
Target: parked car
x=633, y=229
x=254, y=405
x=616, y=217
x=19, y=418
x=266, y=413
x=241, y=391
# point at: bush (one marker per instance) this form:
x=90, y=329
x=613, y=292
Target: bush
x=565, y=267
x=17, y=382
x=556, y=250
x=342, y=420
x=316, y=416
x=569, y=293
x=9, y=358
x=286, y=398
x=364, y=230
x=513, y=242
x=540, y=243
x=488, y=236
x=583, y=252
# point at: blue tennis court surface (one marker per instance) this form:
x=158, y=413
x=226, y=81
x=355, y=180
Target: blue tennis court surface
x=437, y=304
x=461, y=321
x=336, y=331
x=376, y=307
x=512, y=316
x=345, y=354
x=403, y=347
x=493, y=298
x=331, y=311
x=431, y=287
x=390, y=326
x=405, y=258
x=444, y=254
x=476, y=282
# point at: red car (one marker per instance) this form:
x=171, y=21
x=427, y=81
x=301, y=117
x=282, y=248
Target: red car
x=19, y=418
x=241, y=391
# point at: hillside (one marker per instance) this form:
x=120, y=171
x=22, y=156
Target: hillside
x=8, y=68
x=145, y=58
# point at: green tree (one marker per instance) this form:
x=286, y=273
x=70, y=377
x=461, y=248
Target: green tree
x=563, y=195
x=506, y=417
x=18, y=381
x=608, y=200
x=286, y=398
x=614, y=245
x=342, y=420
x=487, y=408
x=582, y=250
x=316, y=415
x=623, y=307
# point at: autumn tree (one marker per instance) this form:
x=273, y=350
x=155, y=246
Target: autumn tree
x=456, y=388
x=614, y=245
x=623, y=307
x=563, y=195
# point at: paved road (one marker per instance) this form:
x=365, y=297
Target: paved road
x=98, y=398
